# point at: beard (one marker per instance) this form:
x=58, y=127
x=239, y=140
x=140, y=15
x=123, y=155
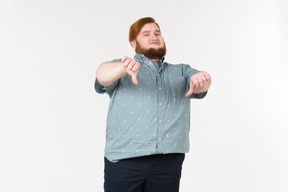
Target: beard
x=151, y=53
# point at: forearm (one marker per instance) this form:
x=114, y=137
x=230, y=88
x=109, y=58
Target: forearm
x=109, y=72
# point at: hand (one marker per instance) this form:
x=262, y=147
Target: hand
x=199, y=82
x=131, y=66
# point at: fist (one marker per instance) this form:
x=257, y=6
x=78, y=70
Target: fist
x=131, y=66
x=199, y=82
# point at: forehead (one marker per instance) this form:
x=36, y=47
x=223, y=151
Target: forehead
x=149, y=27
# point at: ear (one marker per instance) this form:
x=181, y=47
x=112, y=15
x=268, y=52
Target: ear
x=133, y=43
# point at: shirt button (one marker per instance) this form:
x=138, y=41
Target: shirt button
x=159, y=138
x=160, y=121
x=160, y=103
x=159, y=88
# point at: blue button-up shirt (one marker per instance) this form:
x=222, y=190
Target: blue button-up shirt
x=152, y=117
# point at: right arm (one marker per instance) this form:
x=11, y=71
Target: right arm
x=109, y=72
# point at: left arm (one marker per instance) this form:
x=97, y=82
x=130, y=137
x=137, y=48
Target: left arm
x=199, y=82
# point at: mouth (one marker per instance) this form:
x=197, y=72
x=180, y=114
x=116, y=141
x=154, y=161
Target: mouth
x=155, y=43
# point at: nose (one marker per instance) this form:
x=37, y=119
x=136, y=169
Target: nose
x=154, y=37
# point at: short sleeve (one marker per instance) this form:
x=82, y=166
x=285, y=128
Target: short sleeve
x=99, y=88
x=109, y=90
x=199, y=95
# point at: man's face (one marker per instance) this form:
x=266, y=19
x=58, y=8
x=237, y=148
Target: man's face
x=150, y=42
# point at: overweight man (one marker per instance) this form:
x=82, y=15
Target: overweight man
x=148, y=122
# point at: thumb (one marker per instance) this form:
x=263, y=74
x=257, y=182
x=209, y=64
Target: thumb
x=190, y=91
x=134, y=78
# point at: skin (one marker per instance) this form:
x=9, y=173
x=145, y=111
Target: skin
x=149, y=37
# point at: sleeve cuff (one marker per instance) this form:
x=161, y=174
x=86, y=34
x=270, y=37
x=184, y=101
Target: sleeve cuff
x=99, y=88
x=199, y=95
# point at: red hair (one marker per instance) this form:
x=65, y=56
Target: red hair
x=138, y=25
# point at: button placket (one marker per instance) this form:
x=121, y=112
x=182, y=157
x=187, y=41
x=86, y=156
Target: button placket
x=159, y=112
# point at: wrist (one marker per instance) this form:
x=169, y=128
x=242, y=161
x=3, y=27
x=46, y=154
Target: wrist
x=122, y=69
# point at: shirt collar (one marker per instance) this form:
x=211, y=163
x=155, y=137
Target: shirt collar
x=143, y=58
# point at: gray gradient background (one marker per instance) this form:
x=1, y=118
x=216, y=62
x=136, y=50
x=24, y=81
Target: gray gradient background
x=52, y=123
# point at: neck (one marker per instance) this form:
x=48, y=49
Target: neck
x=155, y=60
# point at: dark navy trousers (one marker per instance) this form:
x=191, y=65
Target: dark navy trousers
x=155, y=173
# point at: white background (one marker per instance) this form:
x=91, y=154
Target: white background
x=52, y=122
